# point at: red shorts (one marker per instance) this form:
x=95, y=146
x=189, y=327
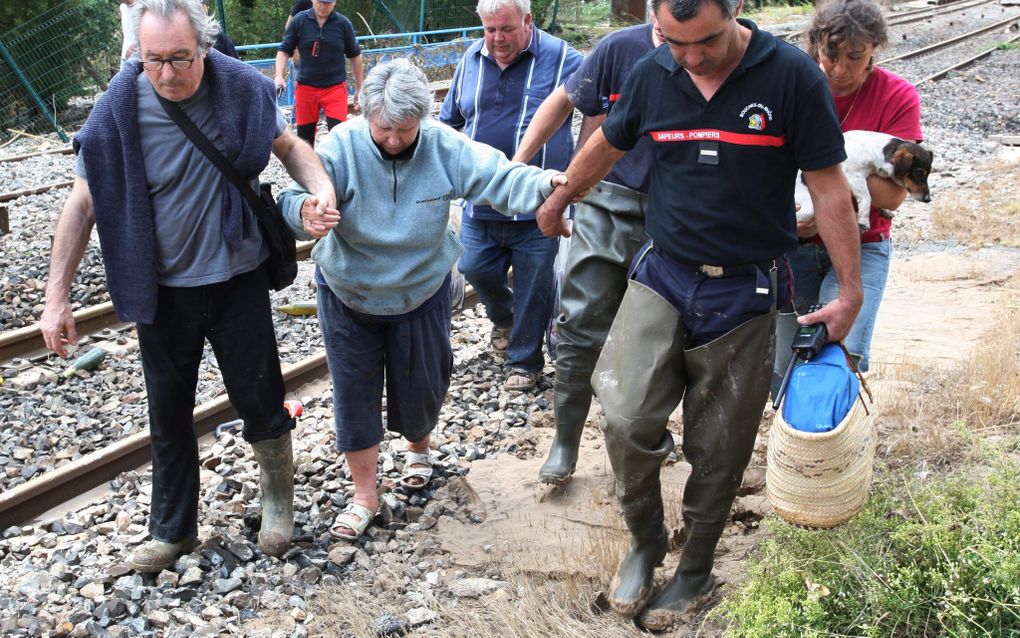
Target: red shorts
x=309, y=100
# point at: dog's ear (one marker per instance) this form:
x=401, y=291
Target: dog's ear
x=901, y=161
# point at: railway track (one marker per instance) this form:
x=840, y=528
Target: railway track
x=17, y=158
x=938, y=46
x=963, y=63
x=28, y=341
x=77, y=477
x=907, y=17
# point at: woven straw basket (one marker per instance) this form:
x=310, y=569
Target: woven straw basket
x=821, y=479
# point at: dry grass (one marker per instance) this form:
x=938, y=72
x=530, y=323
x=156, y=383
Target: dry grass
x=937, y=410
x=988, y=212
x=530, y=606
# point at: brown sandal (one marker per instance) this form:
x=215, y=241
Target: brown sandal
x=499, y=339
x=521, y=380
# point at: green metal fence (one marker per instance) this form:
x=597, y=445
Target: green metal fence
x=52, y=63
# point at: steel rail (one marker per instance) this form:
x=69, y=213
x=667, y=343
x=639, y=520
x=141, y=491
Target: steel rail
x=29, y=340
x=959, y=65
x=6, y=197
x=951, y=41
x=73, y=479
x=17, y=158
x=907, y=17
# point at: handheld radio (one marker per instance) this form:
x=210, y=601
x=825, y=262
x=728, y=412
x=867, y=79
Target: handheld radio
x=806, y=344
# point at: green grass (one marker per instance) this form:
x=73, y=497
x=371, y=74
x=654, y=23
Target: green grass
x=936, y=558
x=1007, y=46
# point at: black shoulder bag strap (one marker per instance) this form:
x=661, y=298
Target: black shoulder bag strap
x=198, y=138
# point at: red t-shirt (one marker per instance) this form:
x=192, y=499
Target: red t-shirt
x=887, y=104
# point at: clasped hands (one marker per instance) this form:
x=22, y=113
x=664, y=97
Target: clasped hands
x=549, y=215
x=319, y=214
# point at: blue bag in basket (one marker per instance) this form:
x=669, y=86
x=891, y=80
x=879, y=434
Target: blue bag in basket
x=821, y=392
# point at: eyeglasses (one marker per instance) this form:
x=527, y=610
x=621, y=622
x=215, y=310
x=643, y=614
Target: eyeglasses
x=157, y=65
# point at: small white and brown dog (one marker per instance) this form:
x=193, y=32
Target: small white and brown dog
x=869, y=153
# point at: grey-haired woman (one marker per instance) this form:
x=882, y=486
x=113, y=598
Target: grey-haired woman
x=383, y=267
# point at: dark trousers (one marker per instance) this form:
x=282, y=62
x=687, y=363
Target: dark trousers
x=712, y=306
x=235, y=317
x=411, y=353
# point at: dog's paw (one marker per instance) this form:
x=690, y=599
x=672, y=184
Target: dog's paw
x=888, y=214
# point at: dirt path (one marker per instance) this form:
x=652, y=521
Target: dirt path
x=938, y=304
x=935, y=305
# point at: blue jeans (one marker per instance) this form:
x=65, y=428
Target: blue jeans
x=491, y=247
x=814, y=281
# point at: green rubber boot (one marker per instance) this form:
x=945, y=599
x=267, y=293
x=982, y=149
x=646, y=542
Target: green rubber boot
x=276, y=478
x=632, y=584
x=727, y=385
x=639, y=385
x=692, y=585
x=571, y=402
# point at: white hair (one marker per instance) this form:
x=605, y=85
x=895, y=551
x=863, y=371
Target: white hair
x=489, y=7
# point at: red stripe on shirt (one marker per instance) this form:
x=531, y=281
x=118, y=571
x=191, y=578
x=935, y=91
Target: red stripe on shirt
x=614, y=97
x=715, y=135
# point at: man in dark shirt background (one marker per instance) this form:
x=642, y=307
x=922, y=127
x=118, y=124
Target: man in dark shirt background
x=325, y=40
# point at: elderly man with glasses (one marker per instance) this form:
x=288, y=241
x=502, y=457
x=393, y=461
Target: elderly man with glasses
x=185, y=257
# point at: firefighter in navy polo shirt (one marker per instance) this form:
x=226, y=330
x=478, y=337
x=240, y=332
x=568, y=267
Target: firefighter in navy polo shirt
x=326, y=41
x=733, y=114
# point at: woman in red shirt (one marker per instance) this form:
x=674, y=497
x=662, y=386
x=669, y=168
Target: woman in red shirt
x=843, y=38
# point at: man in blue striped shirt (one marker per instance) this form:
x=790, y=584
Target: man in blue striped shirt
x=499, y=84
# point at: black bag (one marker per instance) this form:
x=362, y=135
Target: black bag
x=281, y=264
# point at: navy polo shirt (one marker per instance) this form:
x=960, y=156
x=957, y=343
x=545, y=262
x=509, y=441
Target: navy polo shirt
x=723, y=177
x=595, y=87
x=495, y=106
x=336, y=43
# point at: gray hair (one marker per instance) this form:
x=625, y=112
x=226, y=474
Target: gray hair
x=206, y=28
x=488, y=7
x=396, y=91
x=684, y=10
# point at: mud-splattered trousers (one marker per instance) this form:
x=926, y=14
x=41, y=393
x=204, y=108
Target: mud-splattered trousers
x=608, y=231
x=703, y=335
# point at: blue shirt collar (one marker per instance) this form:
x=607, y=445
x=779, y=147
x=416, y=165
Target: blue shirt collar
x=531, y=49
